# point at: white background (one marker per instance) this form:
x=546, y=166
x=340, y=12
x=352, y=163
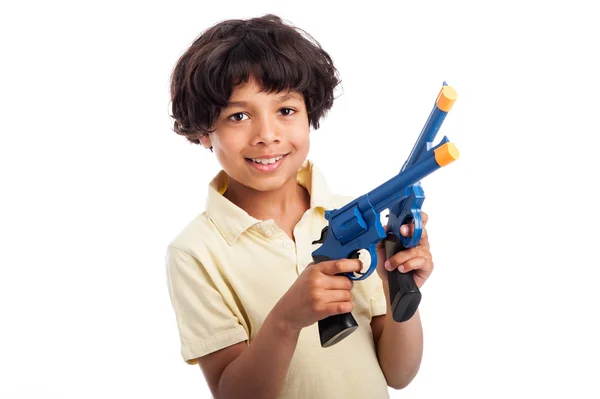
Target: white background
x=95, y=184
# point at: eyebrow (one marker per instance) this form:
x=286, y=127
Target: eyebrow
x=280, y=100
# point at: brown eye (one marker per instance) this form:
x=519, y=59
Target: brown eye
x=286, y=111
x=237, y=117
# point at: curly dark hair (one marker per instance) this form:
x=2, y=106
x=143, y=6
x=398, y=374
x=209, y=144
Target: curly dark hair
x=280, y=56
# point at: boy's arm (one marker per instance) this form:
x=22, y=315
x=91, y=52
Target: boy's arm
x=252, y=371
x=399, y=346
x=258, y=370
x=205, y=320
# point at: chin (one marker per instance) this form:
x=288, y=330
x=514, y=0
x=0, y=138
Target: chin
x=274, y=180
x=268, y=184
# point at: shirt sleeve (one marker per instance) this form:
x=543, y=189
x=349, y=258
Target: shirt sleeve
x=205, y=321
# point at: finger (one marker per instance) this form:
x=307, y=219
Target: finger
x=337, y=283
x=413, y=264
x=334, y=308
x=338, y=296
x=424, y=238
x=339, y=266
x=407, y=230
x=403, y=256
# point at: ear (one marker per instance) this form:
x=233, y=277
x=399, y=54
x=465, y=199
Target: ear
x=205, y=140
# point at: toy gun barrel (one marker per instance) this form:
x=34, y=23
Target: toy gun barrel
x=403, y=290
x=443, y=104
x=394, y=190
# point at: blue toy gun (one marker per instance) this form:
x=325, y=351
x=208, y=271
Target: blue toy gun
x=357, y=225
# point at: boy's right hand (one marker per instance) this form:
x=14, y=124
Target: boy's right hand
x=318, y=292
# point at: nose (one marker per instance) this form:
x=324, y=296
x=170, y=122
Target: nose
x=266, y=130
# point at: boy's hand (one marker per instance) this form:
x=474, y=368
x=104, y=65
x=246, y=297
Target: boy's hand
x=417, y=259
x=318, y=293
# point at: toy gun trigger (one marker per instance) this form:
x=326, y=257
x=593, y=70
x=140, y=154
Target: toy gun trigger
x=372, y=249
x=354, y=255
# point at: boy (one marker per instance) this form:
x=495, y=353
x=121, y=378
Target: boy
x=246, y=294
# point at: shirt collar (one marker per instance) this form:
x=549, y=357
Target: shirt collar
x=232, y=221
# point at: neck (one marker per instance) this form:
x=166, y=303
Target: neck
x=290, y=199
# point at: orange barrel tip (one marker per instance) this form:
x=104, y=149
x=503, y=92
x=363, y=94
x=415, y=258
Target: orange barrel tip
x=446, y=154
x=446, y=98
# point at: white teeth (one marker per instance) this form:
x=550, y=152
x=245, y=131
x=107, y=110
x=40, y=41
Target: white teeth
x=267, y=161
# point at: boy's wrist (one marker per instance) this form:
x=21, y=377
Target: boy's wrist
x=281, y=324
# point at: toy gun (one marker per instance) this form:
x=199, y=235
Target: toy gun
x=357, y=225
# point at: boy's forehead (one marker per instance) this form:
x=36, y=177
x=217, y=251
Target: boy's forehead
x=253, y=87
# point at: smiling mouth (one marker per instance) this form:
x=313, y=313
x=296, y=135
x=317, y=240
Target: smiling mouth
x=266, y=161
x=266, y=164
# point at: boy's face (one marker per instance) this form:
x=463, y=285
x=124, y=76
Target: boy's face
x=261, y=139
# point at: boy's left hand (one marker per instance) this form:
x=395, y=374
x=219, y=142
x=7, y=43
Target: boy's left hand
x=417, y=259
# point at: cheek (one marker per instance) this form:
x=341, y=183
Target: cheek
x=227, y=145
x=306, y=144
x=301, y=140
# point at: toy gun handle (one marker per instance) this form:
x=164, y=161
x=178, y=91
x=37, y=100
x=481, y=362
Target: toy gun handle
x=405, y=296
x=335, y=328
x=404, y=293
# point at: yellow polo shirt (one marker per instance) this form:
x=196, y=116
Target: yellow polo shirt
x=226, y=270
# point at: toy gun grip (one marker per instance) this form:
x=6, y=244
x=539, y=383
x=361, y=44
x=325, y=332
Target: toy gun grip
x=335, y=328
x=404, y=293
